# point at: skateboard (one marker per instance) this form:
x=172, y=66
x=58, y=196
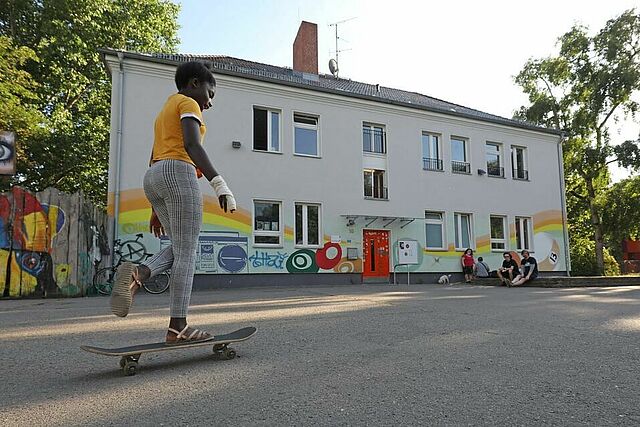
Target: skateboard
x=129, y=356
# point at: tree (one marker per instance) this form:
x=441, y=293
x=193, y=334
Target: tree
x=18, y=98
x=582, y=90
x=73, y=90
x=621, y=213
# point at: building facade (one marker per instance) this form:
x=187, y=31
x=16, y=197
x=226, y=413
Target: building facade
x=339, y=181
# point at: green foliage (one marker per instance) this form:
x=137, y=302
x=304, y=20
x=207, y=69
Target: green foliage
x=18, y=111
x=73, y=90
x=621, y=214
x=583, y=259
x=581, y=90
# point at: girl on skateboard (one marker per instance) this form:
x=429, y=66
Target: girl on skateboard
x=171, y=185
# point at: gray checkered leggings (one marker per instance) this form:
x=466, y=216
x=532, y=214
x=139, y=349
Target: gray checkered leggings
x=172, y=188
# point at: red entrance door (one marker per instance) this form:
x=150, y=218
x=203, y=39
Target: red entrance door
x=375, y=251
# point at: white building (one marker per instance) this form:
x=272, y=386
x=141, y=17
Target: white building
x=330, y=174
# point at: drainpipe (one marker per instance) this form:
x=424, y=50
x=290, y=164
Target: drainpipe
x=563, y=201
x=118, y=146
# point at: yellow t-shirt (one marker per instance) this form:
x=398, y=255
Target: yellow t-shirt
x=168, y=142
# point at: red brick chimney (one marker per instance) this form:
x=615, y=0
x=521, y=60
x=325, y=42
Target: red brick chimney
x=305, y=48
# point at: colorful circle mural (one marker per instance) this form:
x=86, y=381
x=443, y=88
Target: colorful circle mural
x=302, y=261
x=329, y=256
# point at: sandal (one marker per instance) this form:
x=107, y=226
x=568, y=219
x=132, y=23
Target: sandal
x=125, y=286
x=182, y=337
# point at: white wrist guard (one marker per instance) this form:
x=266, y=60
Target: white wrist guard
x=222, y=189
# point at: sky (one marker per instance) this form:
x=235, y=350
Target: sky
x=465, y=52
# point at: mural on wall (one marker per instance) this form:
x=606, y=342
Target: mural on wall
x=225, y=244
x=219, y=252
x=265, y=259
x=41, y=254
x=547, y=247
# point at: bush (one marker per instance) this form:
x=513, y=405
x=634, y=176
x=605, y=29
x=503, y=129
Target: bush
x=583, y=259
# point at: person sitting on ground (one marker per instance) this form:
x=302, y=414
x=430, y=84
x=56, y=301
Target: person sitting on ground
x=529, y=270
x=482, y=269
x=467, y=265
x=509, y=269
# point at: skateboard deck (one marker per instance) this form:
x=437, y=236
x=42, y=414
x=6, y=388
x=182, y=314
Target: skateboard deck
x=129, y=356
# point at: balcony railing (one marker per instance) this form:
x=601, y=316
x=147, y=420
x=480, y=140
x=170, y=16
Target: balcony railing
x=520, y=174
x=431, y=164
x=460, y=167
x=374, y=141
x=495, y=171
x=378, y=193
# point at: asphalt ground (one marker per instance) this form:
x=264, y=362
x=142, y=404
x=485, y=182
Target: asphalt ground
x=343, y=355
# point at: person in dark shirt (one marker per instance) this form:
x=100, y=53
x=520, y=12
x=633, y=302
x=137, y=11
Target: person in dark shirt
x=509, y=269
x=528, y=270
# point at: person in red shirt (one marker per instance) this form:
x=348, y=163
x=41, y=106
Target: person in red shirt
x=468, y=262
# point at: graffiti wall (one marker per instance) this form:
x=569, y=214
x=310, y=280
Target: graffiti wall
x=50, y=243
x=225, y=243
x=546, y=246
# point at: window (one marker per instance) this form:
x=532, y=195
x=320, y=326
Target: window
x=498, y=233
x=431, y=155
x=519, y=163
x=266, y=130
x=374, y=187
x=307, y=224
x=459, y=163
x=523, y=233
x=464, y=235
x=305, y=135
x=374, y=139
x=434, y=229
x=493, y=152
x=266, y=223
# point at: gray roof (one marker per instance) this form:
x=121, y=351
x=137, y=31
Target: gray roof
x=328, y=83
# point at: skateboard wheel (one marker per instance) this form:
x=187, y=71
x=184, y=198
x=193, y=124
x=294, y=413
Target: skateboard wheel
x=130, y=368
x=123, y=361
x=229, y=353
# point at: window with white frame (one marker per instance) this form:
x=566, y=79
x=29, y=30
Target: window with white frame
x=519, y=163
x=493, y=153
x=305, y=137
x=498, y=225
x=267, y=220
x=307, y=230
x=374, y=139
x=431, y=152
x=463, y=231
x=374, y=184
x=459, y=153
x=434, y=230
x=523, y=233
x=266, y=129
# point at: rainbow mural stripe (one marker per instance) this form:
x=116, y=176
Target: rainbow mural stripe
x=225, y=243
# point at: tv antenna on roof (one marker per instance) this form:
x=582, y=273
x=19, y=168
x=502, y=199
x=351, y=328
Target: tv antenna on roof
x=333, y=63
